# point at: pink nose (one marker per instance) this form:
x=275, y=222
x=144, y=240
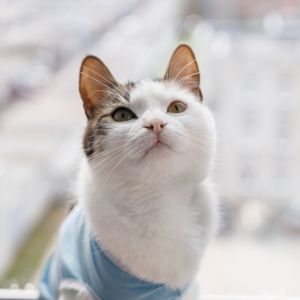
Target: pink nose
x=156, y=126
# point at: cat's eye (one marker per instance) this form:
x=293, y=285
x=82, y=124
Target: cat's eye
x=123, y=114
x=176, y=107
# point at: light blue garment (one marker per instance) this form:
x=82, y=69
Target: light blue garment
x=78, y=256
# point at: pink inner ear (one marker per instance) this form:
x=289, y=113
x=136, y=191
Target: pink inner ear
x=183, y=69
x=95, y=80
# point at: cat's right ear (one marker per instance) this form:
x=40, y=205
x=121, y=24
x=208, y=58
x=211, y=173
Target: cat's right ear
x=95, y=81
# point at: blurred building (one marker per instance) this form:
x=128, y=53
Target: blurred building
x=251, y=82
x=243, y=9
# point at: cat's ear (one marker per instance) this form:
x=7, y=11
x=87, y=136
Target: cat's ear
x=94, y=81
x=183, y=68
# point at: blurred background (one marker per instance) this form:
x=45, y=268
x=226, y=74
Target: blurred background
x=249, y=56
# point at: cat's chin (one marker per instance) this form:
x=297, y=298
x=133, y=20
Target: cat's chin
x=159, y=148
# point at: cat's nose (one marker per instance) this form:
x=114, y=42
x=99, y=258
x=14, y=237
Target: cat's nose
x=155, y=125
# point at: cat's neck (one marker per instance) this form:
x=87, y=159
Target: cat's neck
x=137, y=197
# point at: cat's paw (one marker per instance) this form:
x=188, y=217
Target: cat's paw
x=75, y=290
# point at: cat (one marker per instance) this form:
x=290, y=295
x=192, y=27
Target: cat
x=146, y=210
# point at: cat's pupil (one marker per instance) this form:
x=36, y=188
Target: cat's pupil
x=122, y=114
x=176, y=107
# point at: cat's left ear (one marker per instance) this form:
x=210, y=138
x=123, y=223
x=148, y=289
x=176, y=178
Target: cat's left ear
x=183, y=68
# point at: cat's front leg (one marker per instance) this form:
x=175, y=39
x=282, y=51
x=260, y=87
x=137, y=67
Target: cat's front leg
x=75, y=290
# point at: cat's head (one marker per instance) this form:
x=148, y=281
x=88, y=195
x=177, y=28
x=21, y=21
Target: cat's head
x=151, y=127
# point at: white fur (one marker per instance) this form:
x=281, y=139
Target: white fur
x=154, y=212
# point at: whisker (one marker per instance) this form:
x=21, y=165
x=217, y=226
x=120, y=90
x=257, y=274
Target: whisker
x=102, y=77
x=105, y=91
x=111, y=174
x=186, y=78
x=103, y=83
x=183, y=68
x=116, y=86
x=105, y=153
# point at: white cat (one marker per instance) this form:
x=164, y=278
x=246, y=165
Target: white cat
x=145, y=198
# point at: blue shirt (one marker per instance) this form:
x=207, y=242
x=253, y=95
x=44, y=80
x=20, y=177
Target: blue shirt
x=79, y=257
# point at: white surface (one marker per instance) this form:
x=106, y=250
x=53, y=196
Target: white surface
x=7, y=294
x=240, y=265
x=32, y=294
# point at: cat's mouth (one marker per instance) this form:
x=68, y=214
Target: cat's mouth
x=158, y=146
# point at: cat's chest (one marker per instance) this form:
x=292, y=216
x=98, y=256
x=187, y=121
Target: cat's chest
x=159, y=241
x=172, y=243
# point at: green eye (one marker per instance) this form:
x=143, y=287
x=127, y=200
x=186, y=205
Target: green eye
x=123, y=114
x=176, y=107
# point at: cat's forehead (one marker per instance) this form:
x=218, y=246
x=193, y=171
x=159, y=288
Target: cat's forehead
x=155, y=93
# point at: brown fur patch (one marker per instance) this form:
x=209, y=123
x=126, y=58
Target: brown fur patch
x=97, y=127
